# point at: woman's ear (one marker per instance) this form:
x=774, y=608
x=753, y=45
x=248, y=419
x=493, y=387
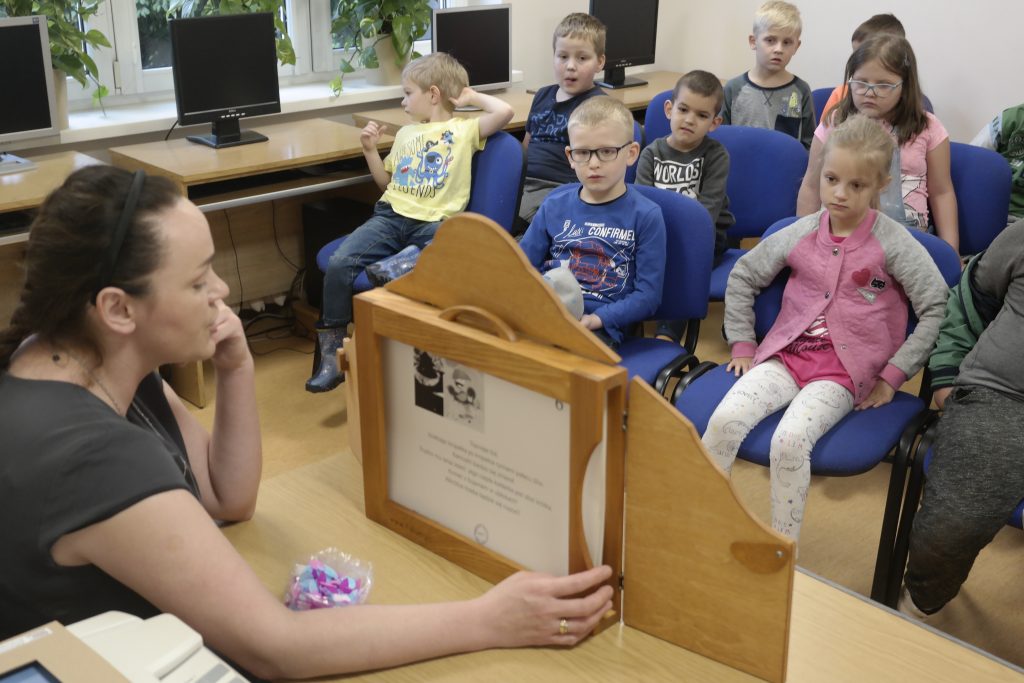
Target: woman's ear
x=115, y=311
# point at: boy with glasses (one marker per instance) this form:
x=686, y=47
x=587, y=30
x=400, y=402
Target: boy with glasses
x=610, y=237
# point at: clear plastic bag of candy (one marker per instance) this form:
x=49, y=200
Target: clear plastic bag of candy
x=329, y=578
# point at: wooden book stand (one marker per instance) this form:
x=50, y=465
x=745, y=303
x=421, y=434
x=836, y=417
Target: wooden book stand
x=700, y=570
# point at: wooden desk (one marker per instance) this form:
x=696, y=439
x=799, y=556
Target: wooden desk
x=296, y=160
x=836, y=636
x=200, y=171
x=20, y=192
x=634, y=98
x=28, y=189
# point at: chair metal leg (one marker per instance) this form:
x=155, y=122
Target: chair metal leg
x=901, y=544
x=905, y=457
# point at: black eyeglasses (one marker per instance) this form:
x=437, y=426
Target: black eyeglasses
x=880, y=90
x=117, y=240
x=582, y=156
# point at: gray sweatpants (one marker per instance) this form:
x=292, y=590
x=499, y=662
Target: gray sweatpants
x=535, y=190
x=975, y=481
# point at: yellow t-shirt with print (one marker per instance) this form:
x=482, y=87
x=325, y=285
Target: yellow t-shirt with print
x=431, y=168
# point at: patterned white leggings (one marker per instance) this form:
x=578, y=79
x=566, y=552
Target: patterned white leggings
x=812, y=411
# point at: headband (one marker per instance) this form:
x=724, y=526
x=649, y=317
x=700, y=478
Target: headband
x=117, y=241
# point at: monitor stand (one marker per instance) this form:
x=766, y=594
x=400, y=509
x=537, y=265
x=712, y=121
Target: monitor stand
x=615, y=77
x=227, y=133
x=10, y=163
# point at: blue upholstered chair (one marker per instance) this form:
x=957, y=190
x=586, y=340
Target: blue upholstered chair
x=638, y=137
x=689, y=247
x=860, y=440
x=498, y=172
x=981, y=180
x=766, y=168
x=656, y=124
x=820, y=97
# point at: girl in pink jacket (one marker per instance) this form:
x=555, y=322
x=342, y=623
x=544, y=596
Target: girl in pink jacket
x=839, y=341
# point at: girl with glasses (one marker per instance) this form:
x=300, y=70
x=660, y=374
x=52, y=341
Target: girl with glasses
x=884, y=86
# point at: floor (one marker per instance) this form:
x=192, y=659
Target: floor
x=840, y=532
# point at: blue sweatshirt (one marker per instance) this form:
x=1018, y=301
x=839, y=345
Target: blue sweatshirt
x=616, y=250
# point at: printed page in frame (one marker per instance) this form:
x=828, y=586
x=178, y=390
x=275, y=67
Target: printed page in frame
x=485, y=457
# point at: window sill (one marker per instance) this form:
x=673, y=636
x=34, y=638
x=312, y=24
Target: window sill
x=159, y=116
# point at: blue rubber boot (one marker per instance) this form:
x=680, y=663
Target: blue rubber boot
x=327, y=375
x=393, y=267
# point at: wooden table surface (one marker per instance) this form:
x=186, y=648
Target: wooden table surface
x=289, y=145
x=836, y=636
x=636, y=98
x=28, y=189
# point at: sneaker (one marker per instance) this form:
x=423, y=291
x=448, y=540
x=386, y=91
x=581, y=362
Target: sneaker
x=905, y=605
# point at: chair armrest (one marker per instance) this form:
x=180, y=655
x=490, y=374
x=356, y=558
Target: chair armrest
x=674, y=369
x=689, y=377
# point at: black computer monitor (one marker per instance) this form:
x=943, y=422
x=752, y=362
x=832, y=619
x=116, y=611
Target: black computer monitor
x=479, y=38
x=632, y=33
x=225, y=67
x=28, y=110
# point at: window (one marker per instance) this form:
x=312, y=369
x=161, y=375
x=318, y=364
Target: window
x=326, y=54
x=434, y=4
x=138, y=65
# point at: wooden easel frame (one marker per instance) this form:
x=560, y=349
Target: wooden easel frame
x=461, y=330
x=702, y=571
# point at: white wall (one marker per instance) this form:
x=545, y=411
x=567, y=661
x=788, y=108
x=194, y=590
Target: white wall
x=967, y=53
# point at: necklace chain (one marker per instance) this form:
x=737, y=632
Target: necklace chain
x=91, y=375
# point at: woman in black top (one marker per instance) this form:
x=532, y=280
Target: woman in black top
x=109, y=486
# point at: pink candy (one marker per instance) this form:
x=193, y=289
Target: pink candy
x=330, y=579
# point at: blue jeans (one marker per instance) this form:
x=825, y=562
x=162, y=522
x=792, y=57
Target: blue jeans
x=385, y=234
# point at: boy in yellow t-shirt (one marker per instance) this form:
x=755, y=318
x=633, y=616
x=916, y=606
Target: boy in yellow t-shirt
x=425, y=179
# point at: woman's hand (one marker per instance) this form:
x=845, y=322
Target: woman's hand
x=232, y=350
x=880, y=394
x=527, y=608
x=739, y=366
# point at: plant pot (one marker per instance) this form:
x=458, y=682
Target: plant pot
x=388, y=73
x=60, y=93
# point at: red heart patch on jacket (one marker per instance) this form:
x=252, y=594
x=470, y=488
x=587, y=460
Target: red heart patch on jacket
x=862, y=277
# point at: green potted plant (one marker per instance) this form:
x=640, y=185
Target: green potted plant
x=368, y=28
x=68, y=41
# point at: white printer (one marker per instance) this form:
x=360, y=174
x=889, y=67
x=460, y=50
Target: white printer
x=161, y=649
